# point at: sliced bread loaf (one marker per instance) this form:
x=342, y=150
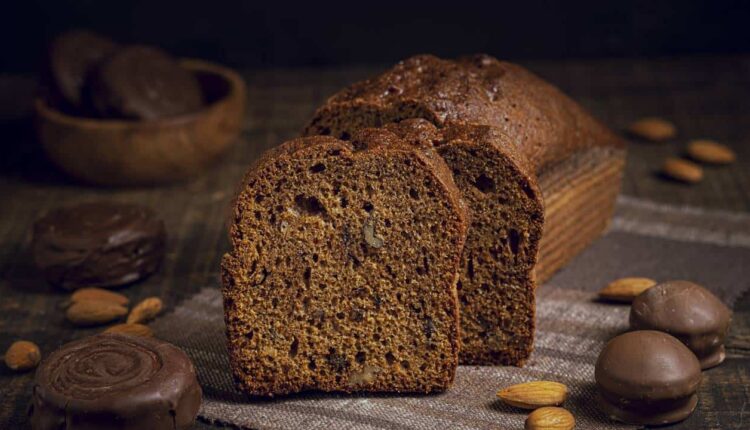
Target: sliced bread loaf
x=343, y=269
x=517, y=120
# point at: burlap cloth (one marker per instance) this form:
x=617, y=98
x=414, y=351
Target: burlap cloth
x=645, y=239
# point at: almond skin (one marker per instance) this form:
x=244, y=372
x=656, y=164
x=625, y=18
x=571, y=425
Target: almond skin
x=131, y=329
x=550, y=418
x=710, y=152
x=99, y=294
x=535, y=394
x=682, y=170
x=94, y=312
x=653, y=129
x=145, y=310
x=625, y=289
x=22, y=355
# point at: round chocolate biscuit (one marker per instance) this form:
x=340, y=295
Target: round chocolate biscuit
x=688, y=312
x=99, y=244
x=145, y=83
x=115, y=381
x=72, y=55
x=648, y=378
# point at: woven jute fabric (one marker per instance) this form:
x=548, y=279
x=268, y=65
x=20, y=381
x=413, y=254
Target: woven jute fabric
x=646, y=239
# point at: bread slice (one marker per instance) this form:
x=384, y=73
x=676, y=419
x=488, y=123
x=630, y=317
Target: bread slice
x=529, y=118
x=343, y=269
x=496, y=286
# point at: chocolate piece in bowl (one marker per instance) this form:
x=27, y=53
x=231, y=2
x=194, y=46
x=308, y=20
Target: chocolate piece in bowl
x=145, y=83
x=115, y=381
x=688, y=312
x=647, y=377
x=72, y=55
x=99, y=244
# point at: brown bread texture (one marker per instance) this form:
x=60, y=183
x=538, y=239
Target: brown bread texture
x=525, y=126
x=343, y=269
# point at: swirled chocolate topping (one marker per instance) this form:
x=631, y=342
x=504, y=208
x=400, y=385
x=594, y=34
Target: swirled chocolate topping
x=98, y=244
x=688, y=312
x=115, y=381
x=647, y=377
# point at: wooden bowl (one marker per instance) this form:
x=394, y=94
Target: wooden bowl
x=129, y=152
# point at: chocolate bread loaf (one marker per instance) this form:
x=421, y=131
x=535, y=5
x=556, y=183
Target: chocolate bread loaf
x=576, y=160
x=343, y=268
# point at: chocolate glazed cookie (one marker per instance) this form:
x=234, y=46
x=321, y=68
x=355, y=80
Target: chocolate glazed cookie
x=115, y=381
x=98, y=244
x=71, y=56
x=648, y=378
x=140, y=82
x=688, y=312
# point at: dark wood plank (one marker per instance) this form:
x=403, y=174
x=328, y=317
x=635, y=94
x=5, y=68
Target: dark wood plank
x=705, y=97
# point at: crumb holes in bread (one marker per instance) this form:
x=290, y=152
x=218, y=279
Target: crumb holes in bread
x=514, y=241
x=317, y=168
x=293, y=348
x=309, y=205
x=306, y=276
x=414, y=193
x=484, y=183
x=389, y=358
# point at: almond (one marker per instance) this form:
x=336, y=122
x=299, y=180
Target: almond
x=145, y=310
x=625, y=289
x=131, y=329
x=682, y=170
x=710, y=152
x=23, y=355
x=550, y=418
x=653, y=129
x=94, y=312
x=99, y=294
x=535, y=394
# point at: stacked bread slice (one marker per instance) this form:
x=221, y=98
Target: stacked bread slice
x=348, y=250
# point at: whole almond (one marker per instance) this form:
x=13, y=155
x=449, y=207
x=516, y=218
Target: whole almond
x=94, y=312
x=535, y=394
x=99, y=294
x=653, y=129
x=131, y=329
x=710, y=152
x=145, y=310
x=625, y=289
x=682, y=170
x=22, y=355
x=550, y=418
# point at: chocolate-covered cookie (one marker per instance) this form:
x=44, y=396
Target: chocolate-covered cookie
x=72, y=55
x=688, y=312
x=115, y=381
x=140, y=82
x=648, y=378
x=98, y=244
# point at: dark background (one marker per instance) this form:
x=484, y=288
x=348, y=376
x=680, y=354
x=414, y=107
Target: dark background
x=279, y=33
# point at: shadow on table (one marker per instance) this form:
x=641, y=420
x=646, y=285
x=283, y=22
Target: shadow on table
x=24, y=158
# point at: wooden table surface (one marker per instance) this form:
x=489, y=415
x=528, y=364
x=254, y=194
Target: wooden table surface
x=705, y=97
